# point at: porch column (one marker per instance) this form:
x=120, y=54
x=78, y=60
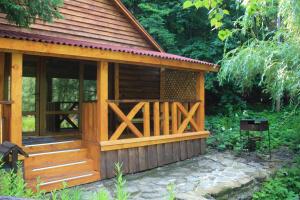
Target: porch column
x=16, y=98
x=2, y=60
x=201, y=96
x=102, y=97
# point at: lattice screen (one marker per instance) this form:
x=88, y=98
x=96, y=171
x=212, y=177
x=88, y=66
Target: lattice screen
x=178, y=84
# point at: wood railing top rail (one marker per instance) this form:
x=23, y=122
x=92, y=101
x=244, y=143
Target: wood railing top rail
x=6, y=102
x=152, y=101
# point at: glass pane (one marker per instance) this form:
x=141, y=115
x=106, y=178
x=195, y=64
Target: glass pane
x=28, y=123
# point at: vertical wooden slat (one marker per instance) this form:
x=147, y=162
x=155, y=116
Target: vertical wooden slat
x=174, y=118
x=102, y=96
x=156, y=120
x=152, y=156
x=203, y=146
x=190, y=148
x=168, y=155
x=176, y=151
x=2, y=62
x=117, y=81
x=123, y=158
x=111, y=160
x=143, y=158
x=81, y=93
x=183, y=150
x=147, y=119
x=103, y=165
x=201, y=96
x=133, y=160
x=166, y=125
x=160, y=154
x=16, y=97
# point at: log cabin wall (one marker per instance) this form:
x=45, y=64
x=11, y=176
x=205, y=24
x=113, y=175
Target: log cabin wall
x=98, y=21
x=139, y=82
x=149, y=157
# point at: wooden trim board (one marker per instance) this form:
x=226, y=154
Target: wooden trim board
x=55, y=50
x=146, y=141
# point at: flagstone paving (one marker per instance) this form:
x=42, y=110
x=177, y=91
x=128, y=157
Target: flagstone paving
x=219, y=175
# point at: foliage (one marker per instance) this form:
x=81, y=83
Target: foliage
x=13, y=184
x=24, y=13
x=121, y=193
x=284, y=129
x=285, y=185
x=269, y=52
x=171, y=192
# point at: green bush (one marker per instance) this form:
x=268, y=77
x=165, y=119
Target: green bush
x=285, y=185
x=284, y=129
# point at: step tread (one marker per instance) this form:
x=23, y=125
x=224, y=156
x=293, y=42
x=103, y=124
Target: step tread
x=63, y=177
x=51, y=165
x=44, y=153
x=52, y=146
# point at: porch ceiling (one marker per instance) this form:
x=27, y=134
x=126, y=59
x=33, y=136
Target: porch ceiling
x=60, y=47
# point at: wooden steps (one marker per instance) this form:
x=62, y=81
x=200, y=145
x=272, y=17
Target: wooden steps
x=54, y=164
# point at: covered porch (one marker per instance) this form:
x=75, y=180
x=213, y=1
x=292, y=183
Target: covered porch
x=120, y=105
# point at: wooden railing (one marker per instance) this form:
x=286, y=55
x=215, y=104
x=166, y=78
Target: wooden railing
x=158, y=117
x=4, y=119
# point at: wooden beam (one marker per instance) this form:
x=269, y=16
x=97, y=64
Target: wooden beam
x=47, y=49
x=148, y=141
x=166, y=118
x=16, y=97
x=117, y=81
x=156, y=120
x=102, y=96
x=200, y=90
x=2, y=71
x=146, y=116
x=174, y=118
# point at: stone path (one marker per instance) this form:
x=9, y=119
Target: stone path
x=214, y=175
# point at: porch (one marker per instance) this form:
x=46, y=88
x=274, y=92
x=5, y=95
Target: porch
x=93, y=108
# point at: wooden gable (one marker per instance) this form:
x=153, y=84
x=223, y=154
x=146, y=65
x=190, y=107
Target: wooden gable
x=98, y=21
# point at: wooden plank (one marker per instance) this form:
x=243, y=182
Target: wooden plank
x=16, y=97
x=123, y=158
x=190, y=148
x=174, y=118
x=102, y=96
x=139, y=142
x=143, y=158
x=126, y=120
x=156, y=120
x=117, y=81
x=166, y=120
x=168, y=153
x=160, y=155
x=133, y=160
x=183, y=150
x=200, y=91
x=73, y=52
x=146, y=115
x=103, y=165
x=152, y=156
x=203, y=146
x=176, y=151
x=2, y=63
x=197, y=149
x=111, y=160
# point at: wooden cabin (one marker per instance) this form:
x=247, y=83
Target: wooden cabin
x=93, y=89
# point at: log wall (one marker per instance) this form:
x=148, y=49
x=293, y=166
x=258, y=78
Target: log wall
x=149, y=157
x=99, y=21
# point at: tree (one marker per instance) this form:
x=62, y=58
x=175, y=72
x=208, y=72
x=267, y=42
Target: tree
x=24, y=12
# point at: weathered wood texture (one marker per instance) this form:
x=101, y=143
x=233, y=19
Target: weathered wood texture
x=98, y=21
x=148, y=157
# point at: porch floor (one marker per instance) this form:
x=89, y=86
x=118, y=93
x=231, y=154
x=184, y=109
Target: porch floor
x=34, y=140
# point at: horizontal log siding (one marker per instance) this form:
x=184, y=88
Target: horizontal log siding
x=89, y=20
x=139, y=82
x=149, y=157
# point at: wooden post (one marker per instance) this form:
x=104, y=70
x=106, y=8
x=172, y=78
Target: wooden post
x=166, y=114
x=147, y=119
x=201, y=96
x=2, y=61
x=16, y=97
x=102, y=97
x=117, y=81
x=174, y=118
x=156, y=120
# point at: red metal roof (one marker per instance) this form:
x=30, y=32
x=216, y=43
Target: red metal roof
x=63, y=41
